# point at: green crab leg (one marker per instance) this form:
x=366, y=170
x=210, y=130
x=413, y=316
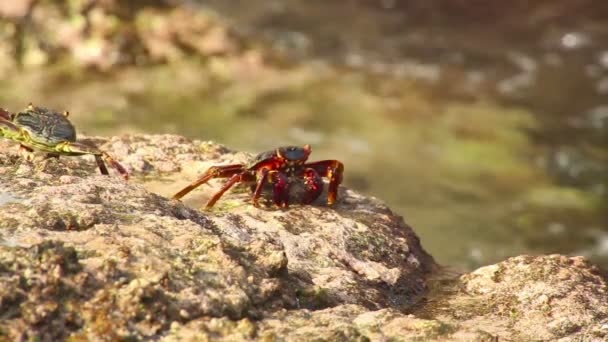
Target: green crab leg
x=26, y=152
x=102, y=166
x=78, y=149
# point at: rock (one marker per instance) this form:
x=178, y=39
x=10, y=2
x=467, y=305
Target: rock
x=341, y=323
x=105, y=34
x=543, y=298
x=151, y=263
x=15, y=9
x=530, y=298
x=86, y=256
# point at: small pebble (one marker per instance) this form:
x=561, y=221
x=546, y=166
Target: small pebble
x=175, y=325
x=184, y=314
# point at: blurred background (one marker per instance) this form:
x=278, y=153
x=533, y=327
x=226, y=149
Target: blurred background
x=483, y=123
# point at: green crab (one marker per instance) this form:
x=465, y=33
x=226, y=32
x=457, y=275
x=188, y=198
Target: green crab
x=42, y=129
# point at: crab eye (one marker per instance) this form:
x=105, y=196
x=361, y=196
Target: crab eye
x=289, y=153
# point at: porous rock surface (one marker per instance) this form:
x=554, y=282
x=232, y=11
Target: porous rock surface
x=85, y=256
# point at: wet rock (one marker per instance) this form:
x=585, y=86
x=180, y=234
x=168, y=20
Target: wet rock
x=86, y=256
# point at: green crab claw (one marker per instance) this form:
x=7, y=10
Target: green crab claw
x=8, y=129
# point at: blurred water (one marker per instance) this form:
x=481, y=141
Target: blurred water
x=548, y=58
x=486, y=128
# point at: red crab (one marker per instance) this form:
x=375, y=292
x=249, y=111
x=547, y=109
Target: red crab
x=278, y=168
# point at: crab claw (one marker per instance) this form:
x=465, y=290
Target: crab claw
x=7, y=128
x=314, y=185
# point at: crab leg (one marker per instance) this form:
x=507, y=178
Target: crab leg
x=51, y=155
x=77, y=149
x=280, y=189
x=26, y=153
x=236, y=178
x=261, y=177
x=279, y=186
x=333, y=170
x=114, y=164
x=101, y=165
x=224, y=171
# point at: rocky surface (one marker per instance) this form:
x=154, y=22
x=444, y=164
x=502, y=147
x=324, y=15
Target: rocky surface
x=103, y=34
x=85, y=256
x=529, y=298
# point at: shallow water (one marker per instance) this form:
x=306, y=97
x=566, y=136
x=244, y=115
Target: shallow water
x=488, y=147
